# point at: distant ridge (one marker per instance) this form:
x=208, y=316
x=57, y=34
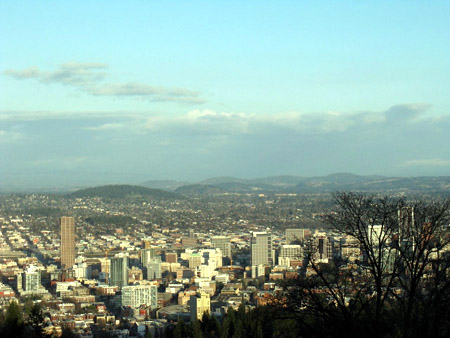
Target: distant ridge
x=120, y=191
x=168, y=185
x=320, y=184
x=283, y=184
x=199, y=189
x=222, y=179
x=271, y=182
x=373, y=183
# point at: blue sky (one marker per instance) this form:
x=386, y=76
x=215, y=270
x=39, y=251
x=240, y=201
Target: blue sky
x=105, y=92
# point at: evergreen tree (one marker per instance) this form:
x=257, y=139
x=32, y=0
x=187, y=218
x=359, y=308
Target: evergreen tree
x=180, y=330
x=240, y=330
x=225, y=328
x=196, y=329
x=14, y=324
x=68, y=333
x=205, y=324
x=35, y=321
x=231, y=321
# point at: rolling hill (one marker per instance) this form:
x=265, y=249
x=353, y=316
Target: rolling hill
x=121, y=191
x=319, y=184
x=199, y=189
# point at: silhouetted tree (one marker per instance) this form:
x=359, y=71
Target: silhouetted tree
x=35, y=321
x=68, y=333
x=180, y=330
x=14, y=324
x=196, y=329
x=400, y=287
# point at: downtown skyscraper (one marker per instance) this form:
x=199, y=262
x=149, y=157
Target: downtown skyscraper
x=67, y=242
x=223, y=243
x=261, y=249
x=119, y=270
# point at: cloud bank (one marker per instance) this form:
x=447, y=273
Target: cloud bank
x=205, y=143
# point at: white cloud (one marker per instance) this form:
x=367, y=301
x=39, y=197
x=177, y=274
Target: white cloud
x=76, y=74
x=251, y=123
x=71, y=73
x=89, y=78
x=431, y=162
x=74, y=115
x=208, y=121
x=107, y=126
x=144, y=91
x=7, y=136
x=202, y=122
x=403, y=113
x=28, y=73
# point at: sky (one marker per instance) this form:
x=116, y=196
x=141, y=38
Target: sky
x=96, y=92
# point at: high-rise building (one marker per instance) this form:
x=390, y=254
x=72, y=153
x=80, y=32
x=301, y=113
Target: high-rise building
x=147, y=255
x=199, y=304
x=29, y=282
x=136, y=295
x=376, y=235
x=81, y=268
x=406, y=223
x=223, y=243
x=294, y=235
x=195, y=260
x=292, y=251
x=212, y=257
x=258, y=270
x=321, y=247
x=154, y=270
x=171, y=257
x=119, y=270
x=261, y=249
x=104, y=267
x=31, y=279
x=67, y=242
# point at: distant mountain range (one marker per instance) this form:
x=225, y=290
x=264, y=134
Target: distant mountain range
x=169, y=185
x=175, y=189
x=199, y=189
x=299, y=184
x=124, y=190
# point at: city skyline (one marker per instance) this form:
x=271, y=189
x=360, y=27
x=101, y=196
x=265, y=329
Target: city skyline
x=156, y=260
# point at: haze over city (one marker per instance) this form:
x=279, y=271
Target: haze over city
x=123, y=93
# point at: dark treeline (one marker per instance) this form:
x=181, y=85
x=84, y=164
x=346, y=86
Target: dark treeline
x=26, y=321
x=261, y=322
